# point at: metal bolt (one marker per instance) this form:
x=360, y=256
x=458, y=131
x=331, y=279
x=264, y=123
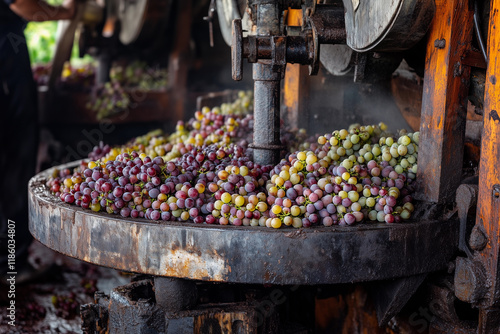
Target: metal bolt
x=478, y=238
x=440, y=43
x=496, y=190
x=469, y=280
x=98, y=295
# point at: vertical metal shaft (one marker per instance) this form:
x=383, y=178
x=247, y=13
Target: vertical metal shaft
x=266, y=90
x=266, y=133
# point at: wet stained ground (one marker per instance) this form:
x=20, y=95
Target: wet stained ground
x=51, y=303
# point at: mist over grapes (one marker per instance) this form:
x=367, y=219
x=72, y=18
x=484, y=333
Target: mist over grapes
x=203, y=173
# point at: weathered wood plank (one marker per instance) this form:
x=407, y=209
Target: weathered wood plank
x=444, y=104
x=488, y=213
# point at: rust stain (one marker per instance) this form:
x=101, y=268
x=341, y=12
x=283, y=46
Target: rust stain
x=193, y=264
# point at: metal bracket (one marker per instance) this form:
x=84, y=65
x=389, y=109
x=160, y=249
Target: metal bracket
x=210, y=19
x=237, y=51
x=391, y=296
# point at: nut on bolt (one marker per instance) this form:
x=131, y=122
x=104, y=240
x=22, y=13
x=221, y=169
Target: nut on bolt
x=496, y=191
x=469, y=280
x=440, y=43
x=478, y=238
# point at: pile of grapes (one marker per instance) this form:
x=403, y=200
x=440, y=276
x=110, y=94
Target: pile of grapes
x=108, y=99
x=138, y=75
x=113, y=98
x=203, y=173
x=66, y=306
x=73, y=78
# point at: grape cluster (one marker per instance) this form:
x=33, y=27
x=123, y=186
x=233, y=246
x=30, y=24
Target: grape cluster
x=66, y=305
x=78, y=78
x=31, y=311
x=89, y=286
x=203, y=173
x=189, y=187
x=108, y=99
x=347, y=178
x=138, y=75
x=99, y=151
x=73, y=78
x=219, y=125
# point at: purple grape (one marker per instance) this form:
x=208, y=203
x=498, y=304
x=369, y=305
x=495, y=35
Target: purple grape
x=349, y=218
x=331, y=208
x=153, y=193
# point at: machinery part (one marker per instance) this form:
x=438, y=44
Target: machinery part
x=142, y=20
x=229, y=10
x=278, y=49
x=327, y=22
x=266, y=138
x=338, y=59
x=386, y=26
x=478, y=238
x=323, y=26
x=469, y=280
x=95, y=316
x=466, y=199
x=391, y=296
x=210, y=19
x=267, y=81
x=174, y=294
x=375, y=67
x=440, y=309
x=365, y=252
x=270, y=50
x=132, y=308
x=237, y=51
x=64, y=45
x=477, y=29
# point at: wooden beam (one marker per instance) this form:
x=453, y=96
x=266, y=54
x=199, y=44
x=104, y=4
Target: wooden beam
x=180, y=60
x=444, y=103
x=488, y=213
x=295, y=95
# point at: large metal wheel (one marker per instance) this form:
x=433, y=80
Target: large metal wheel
x=393, y=25
x=229, y=10
x=322, y=255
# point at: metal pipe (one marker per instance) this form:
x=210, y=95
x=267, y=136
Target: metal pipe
x=266, y=133
x=329, y=23
x=266, y=136
x=477, y=29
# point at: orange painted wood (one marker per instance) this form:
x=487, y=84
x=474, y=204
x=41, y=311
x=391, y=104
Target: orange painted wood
x=488, y=213
x=294, y=17
x=180, y=59
x=295, y=94
x=444, y=103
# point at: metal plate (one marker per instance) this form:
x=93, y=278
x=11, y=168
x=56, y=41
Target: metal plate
x=392, y=25
x=229, y=10
x=132, y=15
x=322, y=255
x=337, y=59
x=142, y=21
